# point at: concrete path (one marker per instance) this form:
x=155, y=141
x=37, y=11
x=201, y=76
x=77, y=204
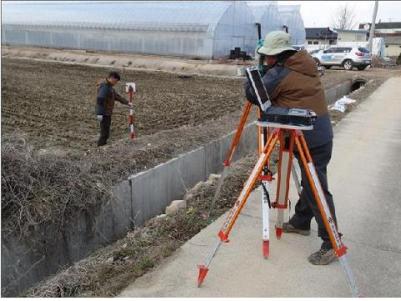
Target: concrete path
x=365, y=179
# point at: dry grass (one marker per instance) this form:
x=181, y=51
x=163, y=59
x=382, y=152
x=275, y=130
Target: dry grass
x=109, y=270
x=43, y=188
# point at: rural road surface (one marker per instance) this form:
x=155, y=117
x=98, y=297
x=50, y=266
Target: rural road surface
x=365, y=179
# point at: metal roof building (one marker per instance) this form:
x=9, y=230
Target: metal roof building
x=204, y=29
x=320, y=33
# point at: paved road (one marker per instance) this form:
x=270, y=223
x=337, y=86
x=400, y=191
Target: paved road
x=365, y=178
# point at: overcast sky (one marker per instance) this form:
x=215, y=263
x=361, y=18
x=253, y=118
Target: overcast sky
x=320, y=13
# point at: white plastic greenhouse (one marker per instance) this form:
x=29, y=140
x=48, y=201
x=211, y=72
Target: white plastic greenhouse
x=208, y=29
x=266, y=13
x=195, y=29
x=291, y=17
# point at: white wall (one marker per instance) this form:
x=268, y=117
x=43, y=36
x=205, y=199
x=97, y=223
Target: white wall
x=393, y=50
x=388, y=30
x=316, y=42
x=351, y=36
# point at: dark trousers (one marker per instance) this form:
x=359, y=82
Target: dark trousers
x=104, y=130
x=306, y=207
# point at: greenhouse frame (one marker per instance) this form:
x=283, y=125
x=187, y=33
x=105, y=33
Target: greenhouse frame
x=267, y=15
x=291, y=17
x=201, y=29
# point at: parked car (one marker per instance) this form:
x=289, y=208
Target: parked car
x=314, y=51
x=298, y=47
x=348, y=57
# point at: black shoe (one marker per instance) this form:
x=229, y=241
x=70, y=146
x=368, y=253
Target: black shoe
x=322, y=257
x=288, y=228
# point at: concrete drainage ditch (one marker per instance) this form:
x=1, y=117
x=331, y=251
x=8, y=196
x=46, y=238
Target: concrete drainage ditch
x=139, y=198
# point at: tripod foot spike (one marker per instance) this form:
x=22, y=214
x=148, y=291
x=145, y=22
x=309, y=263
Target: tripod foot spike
x=202, y=274
x=279, y=232
x=266, y=250
x=223, y=237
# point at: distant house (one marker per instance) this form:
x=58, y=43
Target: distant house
x=390, y=32
x=349, y=35
x=320, y=36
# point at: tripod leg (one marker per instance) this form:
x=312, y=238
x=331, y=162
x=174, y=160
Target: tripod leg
x=238, y=133
x=239, y=204
x=327, y=218
x=261, y=137
x=265, y=218
x=246, y=191
x=266, y=178
x=230, y=153
x=295, y=175
x=284, y=175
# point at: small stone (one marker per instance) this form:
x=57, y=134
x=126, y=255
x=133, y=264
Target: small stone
x=125, y=245
x=110, y=260
x=171, y=210
x=212, y=178
x=198, y=186
x=188, y=196
x=181, y=204
x=175, y=206
x=161, y=216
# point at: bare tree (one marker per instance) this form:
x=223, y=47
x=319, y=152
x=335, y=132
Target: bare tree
x=344, y=18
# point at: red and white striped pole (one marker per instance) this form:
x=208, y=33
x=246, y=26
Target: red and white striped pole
x=131, y=90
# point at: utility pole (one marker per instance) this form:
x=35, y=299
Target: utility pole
x=372, y=26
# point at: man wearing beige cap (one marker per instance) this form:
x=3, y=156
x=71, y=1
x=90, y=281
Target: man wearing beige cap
x=292, y=81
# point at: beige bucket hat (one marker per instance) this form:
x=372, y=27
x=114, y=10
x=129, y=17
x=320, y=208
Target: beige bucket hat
x=276, y=42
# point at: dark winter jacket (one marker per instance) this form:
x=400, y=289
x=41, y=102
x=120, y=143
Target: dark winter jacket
x=295, y=83
x=106, y=96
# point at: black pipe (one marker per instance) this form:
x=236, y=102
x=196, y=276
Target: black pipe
x=259, y=27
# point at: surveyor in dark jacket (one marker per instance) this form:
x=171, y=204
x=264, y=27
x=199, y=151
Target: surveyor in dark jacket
x=106, y=96
x=292, y=81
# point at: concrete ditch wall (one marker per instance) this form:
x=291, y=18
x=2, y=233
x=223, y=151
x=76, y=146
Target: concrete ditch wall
x=139, y=198
x=338, y=91
x=153, y=190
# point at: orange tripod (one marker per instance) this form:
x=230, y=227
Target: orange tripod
x=290, y=138
x=231, y=150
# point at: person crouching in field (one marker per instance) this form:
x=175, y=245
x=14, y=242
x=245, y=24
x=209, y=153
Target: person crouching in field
x=106, y=96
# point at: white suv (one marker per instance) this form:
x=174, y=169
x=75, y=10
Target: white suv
x=348, y=57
